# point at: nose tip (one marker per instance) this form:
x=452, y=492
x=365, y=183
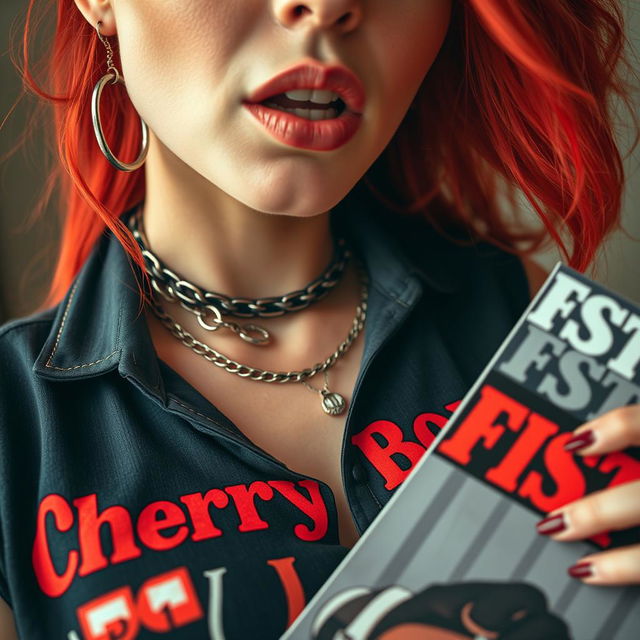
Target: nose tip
x=343, y=15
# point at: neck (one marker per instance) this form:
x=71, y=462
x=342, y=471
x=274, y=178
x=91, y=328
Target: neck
x=222, y=245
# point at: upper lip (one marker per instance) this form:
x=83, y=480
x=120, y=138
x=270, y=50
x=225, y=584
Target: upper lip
x=315, y=75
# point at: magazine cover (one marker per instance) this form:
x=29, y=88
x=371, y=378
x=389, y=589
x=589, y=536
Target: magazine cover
x=457, y=542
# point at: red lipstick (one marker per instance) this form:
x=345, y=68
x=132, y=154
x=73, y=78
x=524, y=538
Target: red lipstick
x=301, y=132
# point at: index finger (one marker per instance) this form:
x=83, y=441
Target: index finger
x=612, y=431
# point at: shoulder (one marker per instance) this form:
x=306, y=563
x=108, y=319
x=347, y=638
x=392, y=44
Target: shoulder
x=21, y=342
x=22, y=339
x=470, y=266
x=21, y=390
x=21, y=411
x=453, y=260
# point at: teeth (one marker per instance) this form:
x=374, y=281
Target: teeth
x=301, y=95
x=314, y=114
x=320, y=96
x=309, y=114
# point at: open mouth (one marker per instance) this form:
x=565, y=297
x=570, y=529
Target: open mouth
x=312, y=104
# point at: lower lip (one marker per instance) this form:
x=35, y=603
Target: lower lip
x=319, y=135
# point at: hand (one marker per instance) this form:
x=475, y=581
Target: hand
x=611, y=509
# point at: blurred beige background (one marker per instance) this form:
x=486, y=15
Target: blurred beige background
x=26, y=265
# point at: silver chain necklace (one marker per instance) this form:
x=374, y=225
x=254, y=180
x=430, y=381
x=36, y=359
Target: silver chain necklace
x=333, y=403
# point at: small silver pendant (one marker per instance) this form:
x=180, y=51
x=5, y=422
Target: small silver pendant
x=332, y=403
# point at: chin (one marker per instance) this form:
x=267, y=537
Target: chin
x=292, y=202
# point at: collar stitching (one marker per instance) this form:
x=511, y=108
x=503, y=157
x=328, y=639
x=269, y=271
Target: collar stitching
x=78, y=366
x=64, y=319
x=202, y=415
x=394, y=296
x=373, y=495
x=55, y=346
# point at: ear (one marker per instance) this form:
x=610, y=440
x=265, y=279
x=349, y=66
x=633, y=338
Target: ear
x=95, y=10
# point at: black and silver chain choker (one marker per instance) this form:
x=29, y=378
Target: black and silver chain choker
x=176, y=289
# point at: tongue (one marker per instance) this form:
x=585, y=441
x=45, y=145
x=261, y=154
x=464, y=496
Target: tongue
x=281, y=100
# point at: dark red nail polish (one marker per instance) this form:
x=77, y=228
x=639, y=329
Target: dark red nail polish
x=552, y=524
x=581, y=570
x=583, y=439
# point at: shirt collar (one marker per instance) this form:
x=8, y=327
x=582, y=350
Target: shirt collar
x=99, y=325
x=396, y=246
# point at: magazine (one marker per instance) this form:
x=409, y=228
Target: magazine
x=455, y=553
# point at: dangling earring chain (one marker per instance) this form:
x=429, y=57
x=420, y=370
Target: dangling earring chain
x=110, y=66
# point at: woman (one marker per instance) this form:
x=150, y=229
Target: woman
x=145, y=490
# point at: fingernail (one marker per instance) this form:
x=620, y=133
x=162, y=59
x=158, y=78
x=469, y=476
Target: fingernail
x=583, y=439
x=552, y=524
x=581, y=570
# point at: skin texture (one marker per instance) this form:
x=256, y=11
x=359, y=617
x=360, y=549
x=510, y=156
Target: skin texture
x=252, y=211
x=7, y=626
x=188, y=64
x=611, y=509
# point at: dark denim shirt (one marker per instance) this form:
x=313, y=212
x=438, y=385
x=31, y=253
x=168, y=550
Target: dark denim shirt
x=130, y=506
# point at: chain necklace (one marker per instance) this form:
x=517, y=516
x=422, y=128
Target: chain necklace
x=175, y=288
x=332, y=403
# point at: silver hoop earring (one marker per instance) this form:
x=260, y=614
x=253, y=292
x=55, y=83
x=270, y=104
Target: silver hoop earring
x=114, y=77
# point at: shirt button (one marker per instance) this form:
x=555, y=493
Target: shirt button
x=358, y=473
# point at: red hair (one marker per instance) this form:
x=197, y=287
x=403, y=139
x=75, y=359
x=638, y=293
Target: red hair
x=517, y=100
